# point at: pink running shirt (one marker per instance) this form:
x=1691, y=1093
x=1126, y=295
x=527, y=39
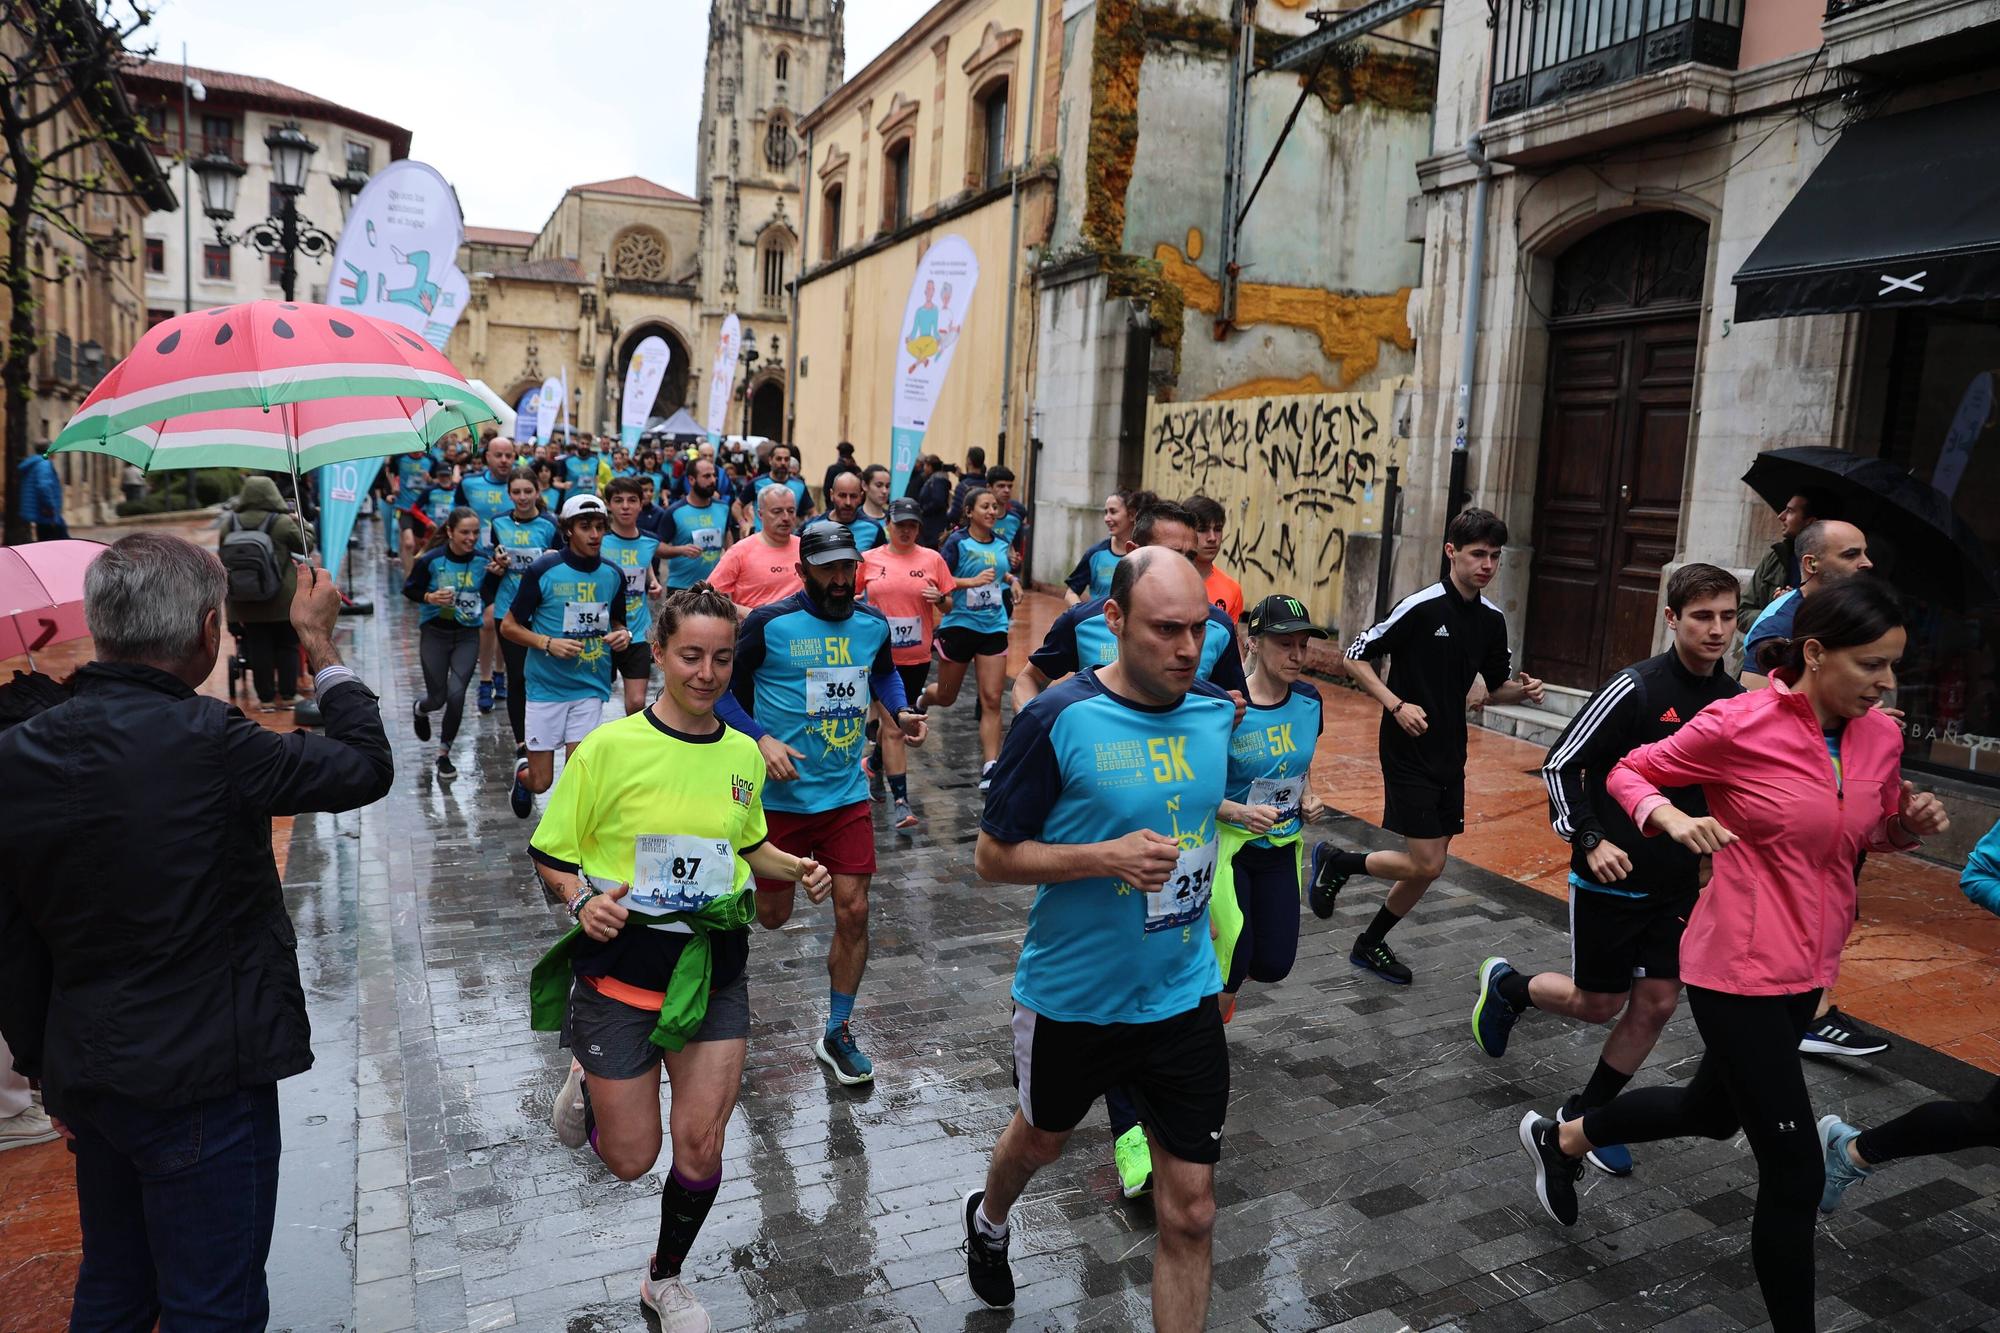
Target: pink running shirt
x=894, y=585
x=755, y=573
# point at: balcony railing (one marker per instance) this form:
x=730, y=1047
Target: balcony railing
x=1546, y=50
x=168, y=144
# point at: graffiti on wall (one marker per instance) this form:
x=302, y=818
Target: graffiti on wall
x=1298, y=476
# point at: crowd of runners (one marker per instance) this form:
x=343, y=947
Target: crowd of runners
x=777, y=652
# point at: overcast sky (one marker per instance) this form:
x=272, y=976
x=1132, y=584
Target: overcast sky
x=512, y=101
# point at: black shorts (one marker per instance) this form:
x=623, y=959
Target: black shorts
x=1417, y=808
x=959, y=644
x=1613, y=939
x=1176, y=1071
x=915, y=677
x=636, y=662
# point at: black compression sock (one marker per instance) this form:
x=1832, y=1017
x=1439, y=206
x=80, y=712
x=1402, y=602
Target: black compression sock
x=1513, y=988
x=899, y=786
x=1384, y=922
x=1349, y=863
x=1605, y=1083
x=684, y=1207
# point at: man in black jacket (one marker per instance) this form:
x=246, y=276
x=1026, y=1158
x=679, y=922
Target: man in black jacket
x=149, y=975
x=1629, y=894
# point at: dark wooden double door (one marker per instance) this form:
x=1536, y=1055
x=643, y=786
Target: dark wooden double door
x=1608, y=495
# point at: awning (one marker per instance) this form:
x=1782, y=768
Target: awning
x=1905, y=211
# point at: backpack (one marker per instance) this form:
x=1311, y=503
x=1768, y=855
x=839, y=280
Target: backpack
x=256, y=571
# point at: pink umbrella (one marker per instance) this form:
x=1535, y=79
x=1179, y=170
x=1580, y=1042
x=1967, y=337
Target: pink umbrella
x=41, y=595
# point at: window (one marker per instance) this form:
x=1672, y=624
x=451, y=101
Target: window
x=784, y=8
x=360, y=158
x=156, y=317
x=896, y=186
x=156, y=121
x=640, y=254
x=829, y=227
x=215, y=262
x=784, y=65
x=275, y=198
x=156, y=255
x=274, y=270
x=218, y=135
x=774, y=274
x=992, y=122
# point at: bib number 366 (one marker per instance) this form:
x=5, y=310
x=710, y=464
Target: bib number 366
x=1185, y=894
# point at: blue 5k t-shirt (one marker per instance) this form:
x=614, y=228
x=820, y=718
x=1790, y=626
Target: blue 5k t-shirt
x=1270, y=754
x=436, y=569
x=567, y=596
x=1080, y=765
x=983, y=609
x=1092, y=576
x=523, y=543
x=809, y=680
x=1080, y=638
x=634, y=558
x=582, y=474
x=484, y=496
x=699, y=526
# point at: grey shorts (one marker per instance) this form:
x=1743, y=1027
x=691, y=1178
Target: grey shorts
x=612, y=1039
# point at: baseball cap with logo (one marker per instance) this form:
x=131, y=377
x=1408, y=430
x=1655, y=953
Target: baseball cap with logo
x=905, y=510
x=1278, y=614
x=827, y=543
x=582, y=504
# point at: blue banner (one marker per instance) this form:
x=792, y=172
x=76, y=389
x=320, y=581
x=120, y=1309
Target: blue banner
x=342, y=487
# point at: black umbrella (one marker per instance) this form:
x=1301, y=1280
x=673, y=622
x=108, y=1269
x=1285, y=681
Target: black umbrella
x=1936, y=555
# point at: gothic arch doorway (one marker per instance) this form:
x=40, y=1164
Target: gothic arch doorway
x=767, y=410
x=673, y=386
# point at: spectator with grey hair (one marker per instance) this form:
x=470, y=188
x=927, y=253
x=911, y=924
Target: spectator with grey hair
x=149, y=976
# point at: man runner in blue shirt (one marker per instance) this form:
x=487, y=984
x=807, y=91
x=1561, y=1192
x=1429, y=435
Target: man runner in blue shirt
x=1117, y=977
x=485, y=494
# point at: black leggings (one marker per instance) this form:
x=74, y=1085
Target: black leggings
x=1749, y=1079
x=1936, y=1127
x=272, y=650
x=515, y=657
x=450, y=654
x=1267, y=892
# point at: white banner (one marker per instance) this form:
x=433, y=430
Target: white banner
x=722, y=378
x=398, y=252
x=940, y=295
x=548, y=404
x=643, y=376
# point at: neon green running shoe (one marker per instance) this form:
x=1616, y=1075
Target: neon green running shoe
x=1135, y=1162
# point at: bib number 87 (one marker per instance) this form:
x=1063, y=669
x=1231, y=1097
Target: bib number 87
x=685, y=869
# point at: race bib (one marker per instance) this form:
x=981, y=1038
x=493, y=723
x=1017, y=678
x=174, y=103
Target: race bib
x=635, y=580
x=585, y=619
x=1283, y=793
x=520, y=557
x=679, y=873
x=906, y=631
x=836, y=691
x=1185, y=894
x=983, y=598
x=706, y=539
x=466, y=605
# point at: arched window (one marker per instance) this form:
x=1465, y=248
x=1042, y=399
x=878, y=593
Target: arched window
x=639, y=253
x=830, y=219
x=774, y=263
x=896, y=185
x=784, y=67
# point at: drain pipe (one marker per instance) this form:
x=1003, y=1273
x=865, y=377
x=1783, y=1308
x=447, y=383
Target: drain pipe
x=1014, y=241
x=1456, y=495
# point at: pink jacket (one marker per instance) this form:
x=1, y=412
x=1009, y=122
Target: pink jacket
x=1779, y=907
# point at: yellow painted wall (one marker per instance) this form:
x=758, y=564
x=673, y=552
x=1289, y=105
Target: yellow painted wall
x=1296, y=474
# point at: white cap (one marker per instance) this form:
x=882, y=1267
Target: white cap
x=582, y=504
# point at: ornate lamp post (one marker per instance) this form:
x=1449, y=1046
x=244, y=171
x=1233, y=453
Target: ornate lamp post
x=287, y=234
x=750, y=358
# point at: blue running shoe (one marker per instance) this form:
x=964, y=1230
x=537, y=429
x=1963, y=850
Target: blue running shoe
x=1492, y=1017
x=838, y=1052
x=1834, y=1136
x=521, y=798
x=1613, y=1159
x=500, y=685
x=485, y=696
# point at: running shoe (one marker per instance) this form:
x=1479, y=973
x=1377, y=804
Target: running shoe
x=423, y=721
x=485, y=696
x=1613, y=1159
x=878, y=787
x=672, y=1303
x=569, y=1117
x=1834, y=1136
x=1134, y=1158
x=986, y=774
x=28, y=1127
x=446, y=769
x=521, y=798
x=986, y=1264
x=1492, y=1017
x=837, y=1051
x=906, y=818
x=500, y=686
x=1555, y=1174
x=1834, y=1033
x=1326, y=882
x=1376, y=956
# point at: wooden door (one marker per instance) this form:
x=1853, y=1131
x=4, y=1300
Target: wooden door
x=1608, y=495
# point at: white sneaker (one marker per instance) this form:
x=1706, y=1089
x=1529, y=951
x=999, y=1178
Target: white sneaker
x=673, y=1303
x=568, y=1116
x=26, y=1129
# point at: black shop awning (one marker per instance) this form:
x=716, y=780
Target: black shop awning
x=1905, y=211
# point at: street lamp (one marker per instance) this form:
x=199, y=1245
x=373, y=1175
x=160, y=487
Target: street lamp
x=287, y=234
x=750, y=359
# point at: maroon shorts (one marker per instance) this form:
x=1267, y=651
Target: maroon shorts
x=842, y=840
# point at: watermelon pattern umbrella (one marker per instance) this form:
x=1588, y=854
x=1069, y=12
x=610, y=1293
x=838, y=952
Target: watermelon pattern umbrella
x=331, y=430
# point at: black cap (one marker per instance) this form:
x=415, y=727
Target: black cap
x=1278, y=614
x=905, y=510
x=827, y=542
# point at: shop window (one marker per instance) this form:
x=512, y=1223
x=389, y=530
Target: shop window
x=830, y=218
x=896, y=185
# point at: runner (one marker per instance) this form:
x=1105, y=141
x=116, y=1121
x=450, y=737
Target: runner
x=780, y=475
x=1091, y=579
x=445, y=581
x=1013, y=525
x=871, y=525
x=1117, y=978
x=546, y=476
x=975, y=628
x=1210, y=521
x=807, y=668
x=1630, y=896
x=1445, y=637
x=843, y=506
x=413, y=477
x=520, y=536
x=693, y=530
x=1852, y=1155
x=764, y=567
x=654, y=861
x=579, y=469
x=907, y=583
x=1765, y=937
x=635, y=553
x=569, y=612
x=485, y=494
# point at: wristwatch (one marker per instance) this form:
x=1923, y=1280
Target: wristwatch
x=1589, y=840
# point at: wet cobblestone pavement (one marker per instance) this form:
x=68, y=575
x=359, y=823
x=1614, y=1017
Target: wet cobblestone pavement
x=1371, y=1178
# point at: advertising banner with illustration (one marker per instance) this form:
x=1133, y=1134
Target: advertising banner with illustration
x=548, y=404
x=643, y=376
x=525, y=416
x=723, y=377
x=396, y=260
x=940, y=295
